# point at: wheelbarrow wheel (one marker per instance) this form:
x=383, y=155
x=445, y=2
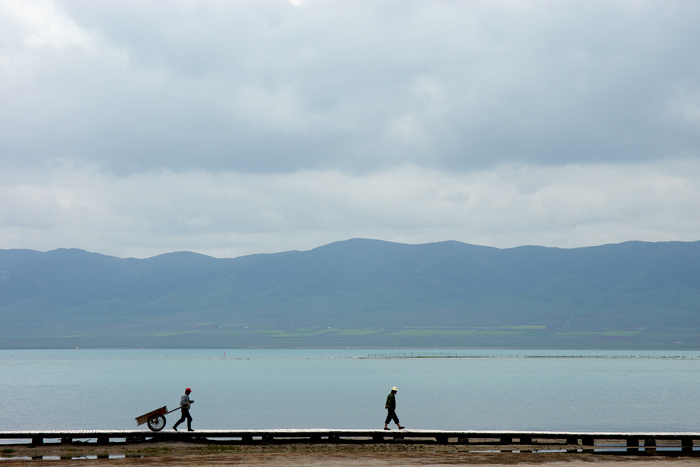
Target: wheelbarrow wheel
x=156, y=422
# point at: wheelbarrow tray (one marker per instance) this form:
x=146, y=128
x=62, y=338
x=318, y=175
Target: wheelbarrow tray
x=140, y=420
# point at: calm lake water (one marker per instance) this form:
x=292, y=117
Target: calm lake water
x=259, y=389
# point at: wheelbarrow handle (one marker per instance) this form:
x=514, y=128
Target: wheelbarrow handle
x=174, y=410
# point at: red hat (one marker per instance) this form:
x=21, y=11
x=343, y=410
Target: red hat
x=188, y=390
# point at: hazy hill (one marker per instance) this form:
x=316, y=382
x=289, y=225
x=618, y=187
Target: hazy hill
x=357, y=284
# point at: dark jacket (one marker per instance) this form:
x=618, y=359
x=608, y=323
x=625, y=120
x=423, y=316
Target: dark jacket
x=391, y=401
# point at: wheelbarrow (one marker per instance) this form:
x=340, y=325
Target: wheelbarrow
x=155, y=418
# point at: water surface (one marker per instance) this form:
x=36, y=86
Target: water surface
x=340, y=388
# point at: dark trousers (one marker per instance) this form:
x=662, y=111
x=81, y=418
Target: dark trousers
x=185, y=416
x=391, y=415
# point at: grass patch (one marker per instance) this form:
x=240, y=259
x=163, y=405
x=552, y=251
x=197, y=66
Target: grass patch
x=222, y=448
x=524, y=328
x=157, y=450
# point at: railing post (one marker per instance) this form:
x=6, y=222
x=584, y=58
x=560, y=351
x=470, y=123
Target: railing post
x=687, y=445
x=650, y=445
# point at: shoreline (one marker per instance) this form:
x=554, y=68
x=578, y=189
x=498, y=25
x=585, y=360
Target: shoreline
x=177, y=454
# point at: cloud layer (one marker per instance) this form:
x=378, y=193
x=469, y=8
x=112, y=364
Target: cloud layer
x=135, y=128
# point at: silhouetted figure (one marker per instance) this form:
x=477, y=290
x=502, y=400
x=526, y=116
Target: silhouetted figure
x=185, y=403
x=390, y=406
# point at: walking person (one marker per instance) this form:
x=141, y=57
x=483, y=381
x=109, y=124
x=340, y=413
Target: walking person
x=185, y=403
x=390, y=406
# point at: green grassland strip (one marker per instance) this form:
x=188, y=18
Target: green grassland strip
x=577, y=333
x=269, y=332
x=432, y=332
x=358, y=332
x=253, y=332
x=499, y=333
x=167, y=334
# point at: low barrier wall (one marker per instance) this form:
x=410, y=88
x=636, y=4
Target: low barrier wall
x=633, y=441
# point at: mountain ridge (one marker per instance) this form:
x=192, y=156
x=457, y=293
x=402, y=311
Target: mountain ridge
x=357, y=283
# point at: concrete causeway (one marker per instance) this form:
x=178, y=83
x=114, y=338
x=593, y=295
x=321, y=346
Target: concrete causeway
x=633, y=441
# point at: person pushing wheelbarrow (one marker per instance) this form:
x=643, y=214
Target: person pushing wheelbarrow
x=185, y=403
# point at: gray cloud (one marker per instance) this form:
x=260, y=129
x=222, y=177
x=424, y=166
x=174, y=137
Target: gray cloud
x=233, y=127
x=270, y=87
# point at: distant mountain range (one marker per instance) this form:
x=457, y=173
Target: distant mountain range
x=358, y=293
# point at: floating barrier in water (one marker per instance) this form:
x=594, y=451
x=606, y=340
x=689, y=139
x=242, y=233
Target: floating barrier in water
x=459, y=355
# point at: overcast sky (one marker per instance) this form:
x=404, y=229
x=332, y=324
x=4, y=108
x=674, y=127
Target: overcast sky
x=135, y=128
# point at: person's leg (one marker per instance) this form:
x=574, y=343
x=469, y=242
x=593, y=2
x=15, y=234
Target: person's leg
x=388, y=419
x=396, y=419
x=182, y=419
x=189, y=421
